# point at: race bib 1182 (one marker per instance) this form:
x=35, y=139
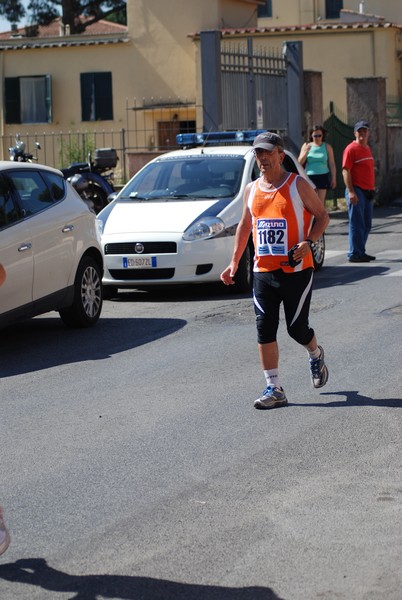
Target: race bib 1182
x=272, y=237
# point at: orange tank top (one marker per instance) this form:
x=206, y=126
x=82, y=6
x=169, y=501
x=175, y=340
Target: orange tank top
x=280, y=220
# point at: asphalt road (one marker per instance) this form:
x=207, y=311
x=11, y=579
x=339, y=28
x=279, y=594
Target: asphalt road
x=134, y=466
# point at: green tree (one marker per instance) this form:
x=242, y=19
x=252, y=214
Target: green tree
x=78, y=15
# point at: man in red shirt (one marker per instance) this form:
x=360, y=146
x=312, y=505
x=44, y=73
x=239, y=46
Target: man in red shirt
x=358, y=175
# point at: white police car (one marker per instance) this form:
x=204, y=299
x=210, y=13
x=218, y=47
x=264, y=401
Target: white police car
x=174, y=222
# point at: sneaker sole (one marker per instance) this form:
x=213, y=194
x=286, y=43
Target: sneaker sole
x=258, y=404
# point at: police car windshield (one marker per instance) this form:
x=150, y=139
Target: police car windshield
x=184, y=178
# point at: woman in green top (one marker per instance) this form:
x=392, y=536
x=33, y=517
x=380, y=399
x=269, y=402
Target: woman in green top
x=317, y=157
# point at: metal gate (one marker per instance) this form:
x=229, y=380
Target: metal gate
x=252, y=88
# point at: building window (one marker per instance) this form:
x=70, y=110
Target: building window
x=96, y=96
x=167, y=131
x=333, y=8
x=265, y=11
x=28, y=99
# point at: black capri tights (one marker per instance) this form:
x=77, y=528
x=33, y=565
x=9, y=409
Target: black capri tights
x=294, y=290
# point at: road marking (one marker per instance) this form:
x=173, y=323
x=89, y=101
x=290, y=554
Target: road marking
x=391, y=254
x=333, y=253
x=386, y=257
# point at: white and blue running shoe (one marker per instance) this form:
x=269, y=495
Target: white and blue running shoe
x=272, y=397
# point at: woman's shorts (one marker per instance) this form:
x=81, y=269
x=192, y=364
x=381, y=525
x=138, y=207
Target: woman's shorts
x=321, y=182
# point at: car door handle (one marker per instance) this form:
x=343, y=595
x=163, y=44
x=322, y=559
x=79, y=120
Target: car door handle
x=67, y=228
x=24, y=247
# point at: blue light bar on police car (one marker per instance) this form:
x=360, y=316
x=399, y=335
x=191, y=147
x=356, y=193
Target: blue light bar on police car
x=217, y=137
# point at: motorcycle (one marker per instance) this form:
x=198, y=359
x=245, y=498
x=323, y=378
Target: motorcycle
x=17, y=152
x=93, y=180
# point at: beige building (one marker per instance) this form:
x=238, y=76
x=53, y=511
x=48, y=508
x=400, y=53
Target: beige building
x=365, y=40
x=338, y=51
x=134, y=79
x=135, y=87
x=300, y=12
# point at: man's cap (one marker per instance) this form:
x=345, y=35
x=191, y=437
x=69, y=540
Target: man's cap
x=268, y=141
x=361, y=125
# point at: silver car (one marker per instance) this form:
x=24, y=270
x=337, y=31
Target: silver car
x=50, y=252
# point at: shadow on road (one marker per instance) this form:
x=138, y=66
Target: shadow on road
x=180, y=293
x=353, y=398
x=333, y=276
x=45, y=342
x=36, y=572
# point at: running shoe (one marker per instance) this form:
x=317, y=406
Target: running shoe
x=318, y=369
x=272, y=397
x=4, y=535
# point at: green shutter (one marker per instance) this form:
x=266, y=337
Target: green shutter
x=12, y=100
x=48, y=98
x=86, y=95
x=103, y=96
x=96, y=96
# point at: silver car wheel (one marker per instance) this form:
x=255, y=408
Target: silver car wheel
x=91, y=294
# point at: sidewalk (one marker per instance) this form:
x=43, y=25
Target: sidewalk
x=341, y=212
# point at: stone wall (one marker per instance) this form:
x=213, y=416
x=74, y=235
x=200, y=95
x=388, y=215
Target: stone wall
x=313, y=101
x=392, y=183
x=366, y=99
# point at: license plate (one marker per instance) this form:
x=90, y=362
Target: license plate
x=139, y=262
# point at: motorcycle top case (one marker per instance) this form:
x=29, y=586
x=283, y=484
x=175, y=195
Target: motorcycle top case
x=105, y=158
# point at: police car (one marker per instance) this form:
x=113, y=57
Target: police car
x=174, y=222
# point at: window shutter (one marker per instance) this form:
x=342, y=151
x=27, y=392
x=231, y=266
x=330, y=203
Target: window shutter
x=48, y=99
x=103, y=96
x=333, y=9
x=12, y=100
x=87, y=93
x=265, y=11
x=96, y=96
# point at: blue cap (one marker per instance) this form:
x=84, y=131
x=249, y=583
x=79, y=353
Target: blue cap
x=361, y=125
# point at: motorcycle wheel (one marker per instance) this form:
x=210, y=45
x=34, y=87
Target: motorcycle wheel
x=96, y=197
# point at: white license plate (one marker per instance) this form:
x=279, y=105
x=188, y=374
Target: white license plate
x=139, y=262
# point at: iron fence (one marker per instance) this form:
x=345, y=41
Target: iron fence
x=151, y=128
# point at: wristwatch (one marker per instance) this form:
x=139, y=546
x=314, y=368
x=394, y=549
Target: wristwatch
x=310, y=243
